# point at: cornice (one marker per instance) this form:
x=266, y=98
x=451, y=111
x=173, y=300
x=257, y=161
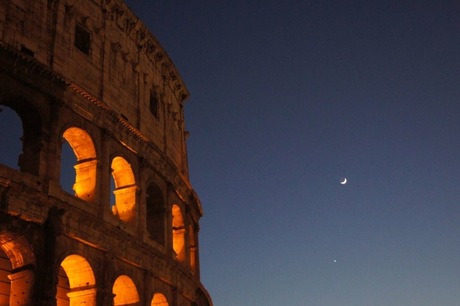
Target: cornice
x=26, y=64
x=144, y=147
x=134, y=28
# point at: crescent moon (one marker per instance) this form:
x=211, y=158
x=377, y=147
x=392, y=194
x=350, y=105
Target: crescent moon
x=344, y=181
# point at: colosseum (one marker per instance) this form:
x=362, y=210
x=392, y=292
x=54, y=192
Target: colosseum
x=96, y=100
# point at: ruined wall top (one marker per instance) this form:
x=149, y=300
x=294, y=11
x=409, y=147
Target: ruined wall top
x=104, y=50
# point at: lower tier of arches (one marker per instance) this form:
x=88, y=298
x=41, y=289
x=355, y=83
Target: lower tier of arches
x=41, y=266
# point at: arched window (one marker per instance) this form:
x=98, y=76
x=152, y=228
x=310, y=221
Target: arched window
x=159, y=300
x=63, y=288
x=125, y=292
x=155, y=214
x=125, y=189
x=86, y=163
x=68, y=162
x=76, y=282
x=20, y=135
x=16, y=270
x=5, y=283
x=178, y=231
x=10, y=137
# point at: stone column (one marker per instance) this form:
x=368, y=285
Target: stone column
x=21, y=287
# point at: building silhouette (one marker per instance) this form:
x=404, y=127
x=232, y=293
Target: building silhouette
x=98, y=102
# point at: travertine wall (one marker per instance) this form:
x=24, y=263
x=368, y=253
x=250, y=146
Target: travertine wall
x=89, y=73
x=123, y=65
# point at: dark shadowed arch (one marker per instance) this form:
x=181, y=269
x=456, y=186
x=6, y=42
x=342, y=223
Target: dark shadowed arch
x=28, y=157
x=155, y=213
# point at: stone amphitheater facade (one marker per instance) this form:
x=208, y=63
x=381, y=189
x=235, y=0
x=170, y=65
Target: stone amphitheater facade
x=87, y=74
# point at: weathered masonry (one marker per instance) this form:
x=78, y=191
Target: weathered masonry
x=93, y=99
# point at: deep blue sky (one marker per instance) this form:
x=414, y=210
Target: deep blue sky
x=287, y=97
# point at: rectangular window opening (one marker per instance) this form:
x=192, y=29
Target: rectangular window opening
x=82, y=39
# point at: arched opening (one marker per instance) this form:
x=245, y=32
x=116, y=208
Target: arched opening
x=28, y=128
x=155, y=214
x=178, y=231
x=10, y=137
x=16, y=270
x=125, y=189
x=193, y=250
x=125, y=292
x=159, y=300
x=5, y=283
x=76, y=282
x=63, y=288
x=68, y=161
x=86, y=163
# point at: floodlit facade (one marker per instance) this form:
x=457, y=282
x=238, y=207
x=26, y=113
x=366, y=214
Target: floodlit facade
x=91, y=98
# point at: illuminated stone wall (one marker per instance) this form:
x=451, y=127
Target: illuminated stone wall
x=88, y=76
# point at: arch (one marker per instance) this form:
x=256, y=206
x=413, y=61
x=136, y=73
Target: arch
x=5, y=283
x=76, y=282
x=63, y=288
x=28, y=130
x=10, y=136
x=125, y=189
x=125, y=292
x=155, y=213
x=159, y=300
x=17, y=265
x=178, y=233
x=86, y=164
x=18, y=250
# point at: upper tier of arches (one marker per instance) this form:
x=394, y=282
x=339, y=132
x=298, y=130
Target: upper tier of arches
x=105, y=53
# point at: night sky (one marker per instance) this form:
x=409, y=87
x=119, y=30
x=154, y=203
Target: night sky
x=288, y=98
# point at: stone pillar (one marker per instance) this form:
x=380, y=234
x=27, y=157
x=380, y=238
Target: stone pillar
x=85, y=183
x=179, y=244
x=125, y=202
x=104, y=175
x=21, y=287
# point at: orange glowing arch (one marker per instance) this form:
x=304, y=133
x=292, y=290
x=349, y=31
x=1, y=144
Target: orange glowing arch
x=77, y=284
x=125, y=189
x=178, y=231
x=85, y=168
x=159, y=300
x=16, y=263
x=124, y=291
